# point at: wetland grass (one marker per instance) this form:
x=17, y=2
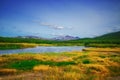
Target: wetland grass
x=74, y=65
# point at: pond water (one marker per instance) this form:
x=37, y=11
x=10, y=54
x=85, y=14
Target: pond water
x=41, y=49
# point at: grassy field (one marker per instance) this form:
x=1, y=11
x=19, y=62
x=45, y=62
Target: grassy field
x=90, y=64
x=6, y=46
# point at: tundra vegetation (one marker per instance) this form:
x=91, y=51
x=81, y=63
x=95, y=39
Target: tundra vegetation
x=89, y=64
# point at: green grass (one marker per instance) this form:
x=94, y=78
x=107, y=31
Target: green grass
x=10, y=46
x=102, y=56
x=6, y=46
x=23, y=64
x=86, y=61
x=29, y=64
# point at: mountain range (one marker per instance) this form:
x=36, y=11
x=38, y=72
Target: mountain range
x=59, y=38
x=67, y=37
x=108, y=36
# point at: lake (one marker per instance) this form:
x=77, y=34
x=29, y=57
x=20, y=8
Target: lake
x=41, y=49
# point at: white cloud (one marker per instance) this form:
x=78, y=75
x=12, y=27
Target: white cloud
x=52, y=26
x=49, y=25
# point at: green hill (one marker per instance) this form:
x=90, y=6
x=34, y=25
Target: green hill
x=106, y=40
x=113, y=35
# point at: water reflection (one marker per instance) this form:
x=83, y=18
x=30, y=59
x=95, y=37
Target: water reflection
x=44, y=49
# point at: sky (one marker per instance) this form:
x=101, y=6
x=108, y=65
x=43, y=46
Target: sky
x=53, y=18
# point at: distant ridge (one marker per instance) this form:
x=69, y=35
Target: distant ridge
x=64, y=38
x=112, y=35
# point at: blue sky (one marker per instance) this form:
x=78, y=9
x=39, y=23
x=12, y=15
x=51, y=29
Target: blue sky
x=52, y=18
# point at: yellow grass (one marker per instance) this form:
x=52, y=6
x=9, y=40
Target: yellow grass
x=41, y=68
x=27, y=44
x=98, y=69
x=103, y=49
x=7, y=71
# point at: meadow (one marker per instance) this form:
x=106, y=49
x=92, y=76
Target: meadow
x=89, y=64
x=6, y=46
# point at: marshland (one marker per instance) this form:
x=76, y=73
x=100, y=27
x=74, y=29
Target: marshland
x=91, y=64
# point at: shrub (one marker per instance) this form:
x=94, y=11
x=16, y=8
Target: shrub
x=86, y=61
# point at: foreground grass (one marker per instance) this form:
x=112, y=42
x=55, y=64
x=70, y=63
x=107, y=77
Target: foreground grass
x=94, y=64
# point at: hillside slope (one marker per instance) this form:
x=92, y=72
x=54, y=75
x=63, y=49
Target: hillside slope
x=113, y=35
